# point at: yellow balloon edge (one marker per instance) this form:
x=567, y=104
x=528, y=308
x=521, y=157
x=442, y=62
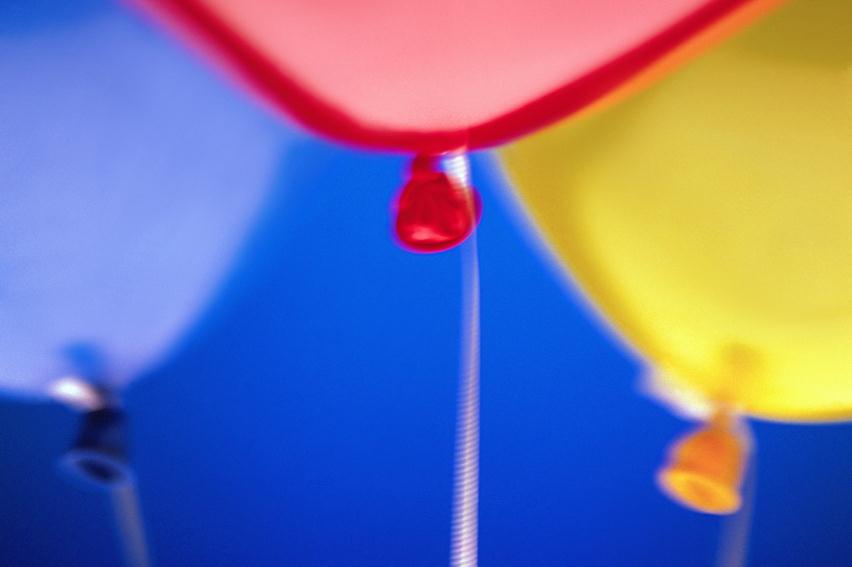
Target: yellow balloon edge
x=582, y=281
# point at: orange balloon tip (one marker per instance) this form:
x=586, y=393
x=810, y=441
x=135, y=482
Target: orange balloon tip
x=699, y=492
x=704, y=470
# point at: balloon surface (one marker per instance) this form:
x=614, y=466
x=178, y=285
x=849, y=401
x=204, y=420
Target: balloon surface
x=710, y=217
x=130, y=178
x=443, y=75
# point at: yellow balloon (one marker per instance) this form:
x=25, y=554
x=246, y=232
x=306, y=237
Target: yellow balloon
x=709, y=217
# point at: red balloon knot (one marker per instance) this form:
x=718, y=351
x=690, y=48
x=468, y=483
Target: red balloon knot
x=434, y=211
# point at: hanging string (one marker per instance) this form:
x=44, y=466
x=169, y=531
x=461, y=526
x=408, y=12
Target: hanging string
x=464, y=546
x=733, y=543
x=125, y=506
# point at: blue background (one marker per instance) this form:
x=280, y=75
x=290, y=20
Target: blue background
x=309, y=419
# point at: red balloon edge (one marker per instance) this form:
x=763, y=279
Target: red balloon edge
x=202, y=28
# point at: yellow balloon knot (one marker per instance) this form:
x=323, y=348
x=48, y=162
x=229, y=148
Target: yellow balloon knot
x=705, y=468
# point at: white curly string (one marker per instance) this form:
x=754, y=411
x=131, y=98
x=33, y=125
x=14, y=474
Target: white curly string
x=463, y=550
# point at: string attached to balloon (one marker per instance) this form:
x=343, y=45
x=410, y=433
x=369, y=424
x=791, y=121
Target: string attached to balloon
x=436, y=210
x=733, y=543
x=465, y=518
x=131, y=528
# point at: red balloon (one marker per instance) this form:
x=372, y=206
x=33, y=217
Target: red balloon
x=432, y=76
x=437, y=76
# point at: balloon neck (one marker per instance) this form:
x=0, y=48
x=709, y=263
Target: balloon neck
x=434, y=211
x=80, y=394
x=705, y=468
x=424, y=165
x=99, y=456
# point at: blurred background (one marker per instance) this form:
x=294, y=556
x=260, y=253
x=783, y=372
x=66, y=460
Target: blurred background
x=309, y=418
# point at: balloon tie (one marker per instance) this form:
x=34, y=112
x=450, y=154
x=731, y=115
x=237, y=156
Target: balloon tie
x=435, y=210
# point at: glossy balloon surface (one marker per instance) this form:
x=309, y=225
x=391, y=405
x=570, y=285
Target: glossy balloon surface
x=710, y=217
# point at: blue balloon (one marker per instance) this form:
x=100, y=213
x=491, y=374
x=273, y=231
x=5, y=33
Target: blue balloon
x=129, y=179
